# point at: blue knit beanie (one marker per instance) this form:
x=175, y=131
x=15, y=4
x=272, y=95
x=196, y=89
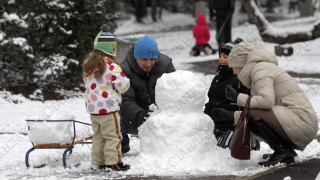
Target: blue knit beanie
x=146, y=47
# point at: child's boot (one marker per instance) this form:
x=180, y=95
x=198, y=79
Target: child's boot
x=118, y=167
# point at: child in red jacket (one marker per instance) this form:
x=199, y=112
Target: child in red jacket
x=202, y=35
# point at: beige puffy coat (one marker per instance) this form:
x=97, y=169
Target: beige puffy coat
x=273, y=88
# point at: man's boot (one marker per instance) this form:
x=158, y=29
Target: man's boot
x=283, y=152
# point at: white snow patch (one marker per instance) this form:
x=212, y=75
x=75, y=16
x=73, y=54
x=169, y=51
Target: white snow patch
x=14, y=18
x=50, y=132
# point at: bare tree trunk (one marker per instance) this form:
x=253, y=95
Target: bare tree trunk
x=270, y=6
x=160, y=6
x=141, y=9
x=153, y=4
x=257, y=18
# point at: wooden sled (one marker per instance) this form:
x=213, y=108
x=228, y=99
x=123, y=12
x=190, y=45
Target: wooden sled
x=68, y=146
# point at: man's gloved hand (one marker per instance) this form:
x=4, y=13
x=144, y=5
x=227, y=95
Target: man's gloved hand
x=231, y=93
x=222, y=118
x=142, y=116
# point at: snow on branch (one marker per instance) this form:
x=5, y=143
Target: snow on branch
x=280, y=35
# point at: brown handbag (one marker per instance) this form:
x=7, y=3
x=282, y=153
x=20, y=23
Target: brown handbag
x=240, y=142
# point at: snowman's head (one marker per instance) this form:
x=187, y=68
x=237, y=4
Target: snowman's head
x=180, y=91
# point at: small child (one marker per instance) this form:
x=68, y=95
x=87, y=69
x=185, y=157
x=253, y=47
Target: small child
x=202, y=35
x=224, y=127
x=105, y=82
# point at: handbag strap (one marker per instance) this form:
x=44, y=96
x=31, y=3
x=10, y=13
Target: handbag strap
x=246, y=110
x=247, y=107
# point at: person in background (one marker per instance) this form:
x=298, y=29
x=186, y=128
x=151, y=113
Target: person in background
x=143, y=65
x=105, y=82
x=222, y=10
x=280, y=112
x=224, y=126
x=202, y=35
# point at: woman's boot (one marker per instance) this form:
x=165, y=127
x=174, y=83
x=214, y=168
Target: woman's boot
x=283, y=152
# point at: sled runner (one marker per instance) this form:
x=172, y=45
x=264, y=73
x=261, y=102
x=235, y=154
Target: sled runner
x=43, y=136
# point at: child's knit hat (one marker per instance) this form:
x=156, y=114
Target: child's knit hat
x=226, y=49
x=105, y=41
x=146, y=47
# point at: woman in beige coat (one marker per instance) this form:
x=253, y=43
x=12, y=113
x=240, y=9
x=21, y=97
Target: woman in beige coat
x=280, y=112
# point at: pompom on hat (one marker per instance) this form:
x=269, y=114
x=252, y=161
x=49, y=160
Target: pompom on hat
x=239, y=53
x=146, y=47
x=105, y=41
x=226, y=49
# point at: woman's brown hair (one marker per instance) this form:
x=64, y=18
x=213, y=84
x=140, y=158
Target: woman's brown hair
x=95, y=63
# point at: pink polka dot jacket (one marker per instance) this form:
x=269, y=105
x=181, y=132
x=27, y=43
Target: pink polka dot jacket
x=103, y=95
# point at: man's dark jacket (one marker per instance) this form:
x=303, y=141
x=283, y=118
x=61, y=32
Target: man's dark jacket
x=141, y=93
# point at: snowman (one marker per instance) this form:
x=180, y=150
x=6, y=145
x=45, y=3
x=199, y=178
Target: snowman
x=178, y=136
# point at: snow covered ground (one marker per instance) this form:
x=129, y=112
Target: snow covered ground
x=15, y=110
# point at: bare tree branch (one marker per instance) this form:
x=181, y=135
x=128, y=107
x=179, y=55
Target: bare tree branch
x=257, y=18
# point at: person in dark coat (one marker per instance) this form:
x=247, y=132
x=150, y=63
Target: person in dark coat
x=143, y=65
x=224, y=126
x=222, y=10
